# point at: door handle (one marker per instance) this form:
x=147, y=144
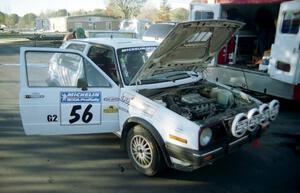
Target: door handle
x=34, y=96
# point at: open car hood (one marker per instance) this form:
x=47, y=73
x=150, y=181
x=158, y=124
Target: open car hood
x=189, y=46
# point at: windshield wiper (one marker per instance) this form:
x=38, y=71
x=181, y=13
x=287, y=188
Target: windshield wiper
x=178, y=76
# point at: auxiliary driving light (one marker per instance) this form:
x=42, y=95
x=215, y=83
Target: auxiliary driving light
x=254, y=118
x=265, y=113
x=274, y=109
x=240, y=125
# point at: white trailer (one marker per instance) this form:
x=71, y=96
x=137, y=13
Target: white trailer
x=281, y=77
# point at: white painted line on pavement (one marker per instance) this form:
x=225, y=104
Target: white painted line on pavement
x=10, y=64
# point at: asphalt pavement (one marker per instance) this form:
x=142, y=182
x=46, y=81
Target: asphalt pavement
x=95, y=163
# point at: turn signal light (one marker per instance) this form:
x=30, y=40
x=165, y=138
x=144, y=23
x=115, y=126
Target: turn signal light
x=178, y=138
x=208, y=157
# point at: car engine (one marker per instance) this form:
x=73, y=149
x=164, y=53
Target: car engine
x=191, y=105
x=199, y=102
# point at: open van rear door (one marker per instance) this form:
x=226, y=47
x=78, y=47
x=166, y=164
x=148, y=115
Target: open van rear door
x=285, y=52
x=62, y=91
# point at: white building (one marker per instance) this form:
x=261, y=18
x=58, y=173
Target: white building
x=87, y=22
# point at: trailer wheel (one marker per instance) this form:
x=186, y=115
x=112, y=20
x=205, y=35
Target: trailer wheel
x=143, y=151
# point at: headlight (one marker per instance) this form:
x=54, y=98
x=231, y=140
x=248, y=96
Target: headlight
x=205, y=136
x=274, y=109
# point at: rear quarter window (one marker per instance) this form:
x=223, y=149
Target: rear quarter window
x=76, y=46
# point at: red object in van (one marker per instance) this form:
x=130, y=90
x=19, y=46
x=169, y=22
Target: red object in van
x=296, y=96
x=225, y=55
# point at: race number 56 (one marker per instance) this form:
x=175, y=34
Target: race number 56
x=75, y=114
x=87, y=116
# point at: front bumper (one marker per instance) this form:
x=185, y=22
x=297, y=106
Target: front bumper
x=194, y=159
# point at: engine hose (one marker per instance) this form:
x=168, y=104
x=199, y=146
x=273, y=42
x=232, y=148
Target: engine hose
x=172, y=105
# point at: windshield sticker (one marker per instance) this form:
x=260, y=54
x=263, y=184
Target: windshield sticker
x=149, y=48
x=80, y=97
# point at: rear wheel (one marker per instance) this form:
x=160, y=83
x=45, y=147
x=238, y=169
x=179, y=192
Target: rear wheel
x=144, y=152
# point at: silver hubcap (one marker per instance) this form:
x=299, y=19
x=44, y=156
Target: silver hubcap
x=141, y=151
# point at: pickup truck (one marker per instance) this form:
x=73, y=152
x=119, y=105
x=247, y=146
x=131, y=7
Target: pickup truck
x=154, y=97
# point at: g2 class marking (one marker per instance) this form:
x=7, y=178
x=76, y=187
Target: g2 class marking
x=52, y=118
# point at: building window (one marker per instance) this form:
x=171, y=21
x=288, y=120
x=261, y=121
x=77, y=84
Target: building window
x=78, y=25
x=109, y=25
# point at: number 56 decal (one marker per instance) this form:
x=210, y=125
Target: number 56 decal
x=74, y=114
x=80, y=108
x=87, y=116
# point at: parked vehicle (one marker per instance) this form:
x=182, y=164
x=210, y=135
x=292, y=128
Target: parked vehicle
x=157, y=32
x=136, y=26
x=109, y=33
x=155, y=97
x=277, y=73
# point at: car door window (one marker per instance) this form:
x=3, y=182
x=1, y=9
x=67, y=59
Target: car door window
x=104, y=58
x=94, y=77
x=54, y=69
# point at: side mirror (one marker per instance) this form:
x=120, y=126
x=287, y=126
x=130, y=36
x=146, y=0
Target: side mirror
x=82, y=83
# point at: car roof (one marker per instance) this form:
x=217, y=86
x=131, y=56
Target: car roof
x=117, y=42
x=167, y=23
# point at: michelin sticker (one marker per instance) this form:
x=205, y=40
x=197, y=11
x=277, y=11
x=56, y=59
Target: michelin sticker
x=80, y=108
x=85, y=97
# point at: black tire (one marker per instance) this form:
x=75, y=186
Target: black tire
x=139, y=155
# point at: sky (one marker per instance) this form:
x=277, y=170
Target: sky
x=22, y=7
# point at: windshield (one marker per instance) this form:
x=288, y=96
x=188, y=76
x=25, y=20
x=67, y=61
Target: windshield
x=159, y=30
x=132, y=59
x=128, y=25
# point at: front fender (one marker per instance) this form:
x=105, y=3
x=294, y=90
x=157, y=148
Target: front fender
x=131, y=121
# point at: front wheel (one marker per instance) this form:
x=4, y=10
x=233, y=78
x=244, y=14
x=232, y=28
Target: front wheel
x=143, y=151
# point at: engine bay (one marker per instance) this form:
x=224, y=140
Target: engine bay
x=200, y=102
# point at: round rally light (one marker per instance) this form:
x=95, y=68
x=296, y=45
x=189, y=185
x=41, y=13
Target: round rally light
x=205, y=136
x=274, y=109
x=254, y=118
x=265, y=113
x=239, y=125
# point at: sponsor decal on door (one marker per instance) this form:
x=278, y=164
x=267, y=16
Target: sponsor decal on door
x=80, y=108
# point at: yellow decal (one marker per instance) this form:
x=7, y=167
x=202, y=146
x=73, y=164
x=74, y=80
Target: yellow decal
x=111, y=109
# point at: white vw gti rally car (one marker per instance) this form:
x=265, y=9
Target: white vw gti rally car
x=155, y=97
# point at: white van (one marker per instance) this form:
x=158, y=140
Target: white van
x=281, y=77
